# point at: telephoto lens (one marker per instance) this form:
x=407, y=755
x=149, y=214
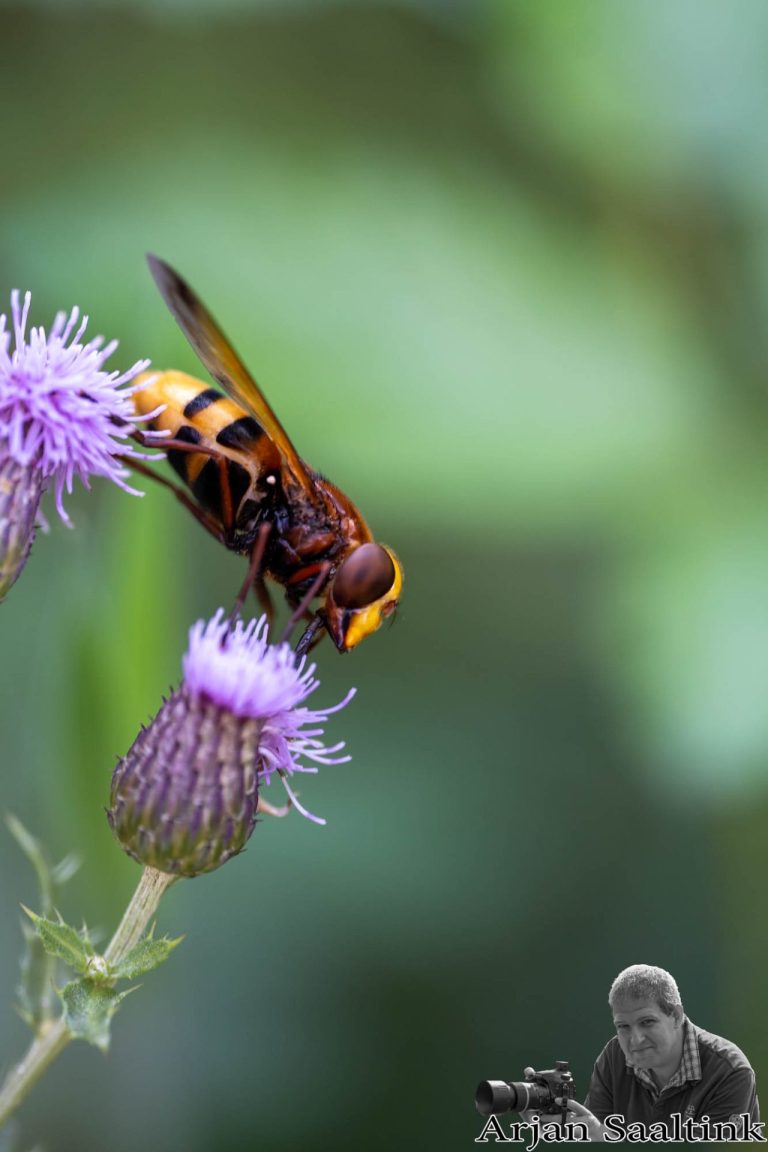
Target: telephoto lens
x=494, y=1097
x=538, y=1091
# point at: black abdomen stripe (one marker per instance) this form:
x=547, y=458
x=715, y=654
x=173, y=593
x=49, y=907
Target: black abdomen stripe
x=176, y=457
x=203, y=400
x=207, y=486
x=242, y=433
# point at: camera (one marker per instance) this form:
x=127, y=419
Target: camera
x=539, y=1091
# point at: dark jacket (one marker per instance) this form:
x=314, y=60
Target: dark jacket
x=725, y=1091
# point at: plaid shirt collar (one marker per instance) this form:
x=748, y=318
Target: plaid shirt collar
x=688, y=1070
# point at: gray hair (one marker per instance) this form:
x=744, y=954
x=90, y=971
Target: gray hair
x=646, y=982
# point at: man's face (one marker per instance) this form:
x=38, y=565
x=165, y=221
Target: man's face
x=648, y=1037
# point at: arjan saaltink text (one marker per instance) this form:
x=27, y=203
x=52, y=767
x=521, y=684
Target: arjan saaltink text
x=616, y=1128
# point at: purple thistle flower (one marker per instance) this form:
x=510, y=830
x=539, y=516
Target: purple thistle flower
x=61, y=415
x=186, y=796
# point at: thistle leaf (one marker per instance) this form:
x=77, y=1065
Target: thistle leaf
x=148, y=954
x=89, y=1008
x=62, y=941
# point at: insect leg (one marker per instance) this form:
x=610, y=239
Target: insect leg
x=208, y=522
x=227, y=510
x=305, y=602
x=264, y=598
x=254, y=573
x=163, y=443
x=311, y=636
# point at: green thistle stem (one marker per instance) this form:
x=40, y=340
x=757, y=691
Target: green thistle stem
x=42, y=1052
x=138, y=914
x=55, y=1037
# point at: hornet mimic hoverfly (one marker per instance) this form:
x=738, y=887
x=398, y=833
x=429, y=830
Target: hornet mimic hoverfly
x=255, y=494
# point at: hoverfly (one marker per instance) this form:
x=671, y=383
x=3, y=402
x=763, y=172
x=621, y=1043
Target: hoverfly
x=255, y=494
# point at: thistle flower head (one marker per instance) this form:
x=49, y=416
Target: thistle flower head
x=186, y=796
x=60, y=411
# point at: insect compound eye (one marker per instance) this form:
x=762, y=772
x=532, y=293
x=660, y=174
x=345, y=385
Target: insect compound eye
x=363, y=577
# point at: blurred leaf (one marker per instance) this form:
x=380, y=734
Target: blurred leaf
x=66, y=869
x=37, y=965
x=89, y=1008
x=34, y=991
x=33, y=850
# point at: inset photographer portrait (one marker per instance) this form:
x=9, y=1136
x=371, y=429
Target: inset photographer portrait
x=660, y=1064
x=661, y=1078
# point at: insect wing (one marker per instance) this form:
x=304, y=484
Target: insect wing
x=221, y=360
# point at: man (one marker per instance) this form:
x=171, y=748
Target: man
x=660, y=1066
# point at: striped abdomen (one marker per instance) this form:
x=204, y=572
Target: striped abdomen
x=197, y=414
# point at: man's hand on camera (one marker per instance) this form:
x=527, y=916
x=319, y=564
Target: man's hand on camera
x=577, y=1114
x=544, y=1117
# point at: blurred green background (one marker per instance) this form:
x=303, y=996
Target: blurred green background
x=502, y=269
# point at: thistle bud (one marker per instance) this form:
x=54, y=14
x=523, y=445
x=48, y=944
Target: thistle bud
x=186, y=796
